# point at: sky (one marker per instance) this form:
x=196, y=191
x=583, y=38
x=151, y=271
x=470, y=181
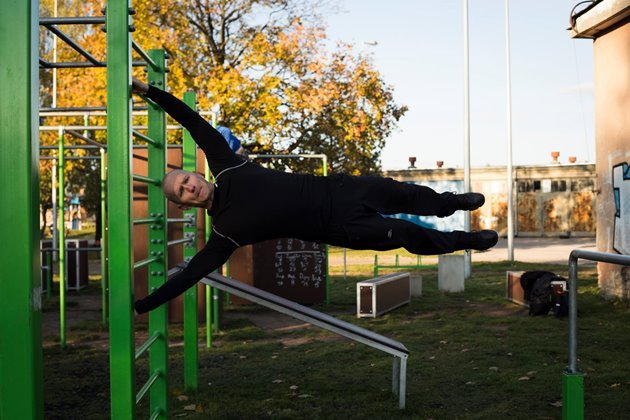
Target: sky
x=420, y=52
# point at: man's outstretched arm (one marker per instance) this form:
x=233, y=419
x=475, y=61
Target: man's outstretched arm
x=212, y=256
x=207, y=138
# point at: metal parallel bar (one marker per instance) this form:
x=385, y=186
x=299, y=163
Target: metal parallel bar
x=321, y=320
x=121, y=327
x=75, y=147
x=64, y=37
x=180, y=241
x=316, y=156
x=146, y=261
x=402, y=387
x=145, y=388
x=147, y=344
x=149, y=101
x=158, y=318
x=137, y=48
x=146, y=179
x=21, y=376
x=180, y=220
x=147, y=220
x=72, y=249
x=148, y=139
x=573, y=378
x=81, y=20
x=191, y=335
x=87, y=139
x=303, y=313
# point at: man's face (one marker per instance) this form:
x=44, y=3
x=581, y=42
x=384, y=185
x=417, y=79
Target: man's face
x=188, y=189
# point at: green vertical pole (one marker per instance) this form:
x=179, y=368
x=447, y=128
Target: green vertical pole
x=104, y=281
x=325, y=173
x=21, y=378
x=62, y=241
x=49, y=263
x=158, y=240
x=375, y=265
x=213, y=291
x=121, y=338
x=189, y=163
x=209, y=290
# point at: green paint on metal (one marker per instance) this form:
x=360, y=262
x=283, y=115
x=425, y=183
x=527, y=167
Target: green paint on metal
x=158, y=240
x=62, y=240
x=104, y=281
x=191, y=350
x=21, y=378
x=209, y=290
x=119, y=188
x=208, y=317
x=572, y=396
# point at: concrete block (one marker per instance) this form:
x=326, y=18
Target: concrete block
x=415, y=281
x=451, y=273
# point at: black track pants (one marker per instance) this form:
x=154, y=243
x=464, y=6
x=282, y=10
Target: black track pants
x=356, y=221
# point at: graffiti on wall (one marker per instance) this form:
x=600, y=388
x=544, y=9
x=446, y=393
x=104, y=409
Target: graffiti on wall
x=621, y=191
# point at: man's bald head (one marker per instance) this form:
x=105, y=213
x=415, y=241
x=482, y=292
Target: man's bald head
x=188, y=189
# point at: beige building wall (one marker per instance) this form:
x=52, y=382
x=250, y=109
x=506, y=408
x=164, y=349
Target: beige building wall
x=612, y=113
x=607, y=22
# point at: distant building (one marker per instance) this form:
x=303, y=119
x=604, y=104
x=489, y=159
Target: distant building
x=550, y=200
x=607, y=23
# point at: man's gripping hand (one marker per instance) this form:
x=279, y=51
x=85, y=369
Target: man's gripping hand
x=139, y=87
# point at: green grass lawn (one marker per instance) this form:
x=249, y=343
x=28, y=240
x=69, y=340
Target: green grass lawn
x=473, y=355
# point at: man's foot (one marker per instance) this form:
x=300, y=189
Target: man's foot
x=470, y=201
x=479, y=241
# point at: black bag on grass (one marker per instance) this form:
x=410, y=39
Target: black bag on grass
x=537, y=287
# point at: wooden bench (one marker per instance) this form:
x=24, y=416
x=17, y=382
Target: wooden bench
x=382, y=294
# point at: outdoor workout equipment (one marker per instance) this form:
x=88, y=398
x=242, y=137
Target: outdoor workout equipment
x=572, y=377
x=396, y=265
x=345, y=329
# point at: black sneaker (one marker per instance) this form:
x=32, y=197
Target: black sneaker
x=479, y=241
x=470, y=201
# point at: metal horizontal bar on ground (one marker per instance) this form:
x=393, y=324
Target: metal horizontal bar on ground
x=147, y=386
x=64, y=37
x=144, y=262
x=86, y=139
x=306, y=314
x=146, y=179
x=601, y=257
x=147, y=220
x=137, y=48
x=146, y=138
x=80, y=20
x=178, y=241
x=147, y=344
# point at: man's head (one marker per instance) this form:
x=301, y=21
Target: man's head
x=188, y=189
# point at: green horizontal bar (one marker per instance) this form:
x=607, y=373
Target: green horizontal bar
x=145, y=138
x=147, y=344
x=145, y=388
x=147, y=221
x=147, y=261
x=146, y=179
x=179, y=241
